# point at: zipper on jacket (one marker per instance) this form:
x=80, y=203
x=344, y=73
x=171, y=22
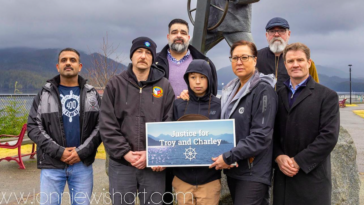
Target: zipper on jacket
x=56, y=96
x=82, y=111
x=250, y=166
x=40, y=161
x=140, y=104
x=276, y=67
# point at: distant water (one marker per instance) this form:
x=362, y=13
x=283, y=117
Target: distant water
x=172, y=156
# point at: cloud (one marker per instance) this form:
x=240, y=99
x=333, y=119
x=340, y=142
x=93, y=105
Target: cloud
x=331, y=28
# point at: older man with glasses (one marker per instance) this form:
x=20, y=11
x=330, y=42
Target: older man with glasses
x=270, y=58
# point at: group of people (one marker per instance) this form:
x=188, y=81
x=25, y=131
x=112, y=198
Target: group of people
x=285, y=121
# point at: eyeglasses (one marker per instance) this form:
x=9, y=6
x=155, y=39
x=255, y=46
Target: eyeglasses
x=280, y=31
x=242, y=58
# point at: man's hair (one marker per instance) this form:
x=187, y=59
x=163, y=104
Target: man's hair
x=180, y=21
x=70, y=49
x=251, y=45
x=296, y=47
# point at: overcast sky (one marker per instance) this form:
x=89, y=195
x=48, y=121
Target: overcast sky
x=333, y=29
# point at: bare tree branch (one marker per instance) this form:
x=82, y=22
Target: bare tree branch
x=103, y=67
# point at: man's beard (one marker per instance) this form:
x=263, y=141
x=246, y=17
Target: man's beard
x=68, y=75
x=179, y=47
x=277, y=45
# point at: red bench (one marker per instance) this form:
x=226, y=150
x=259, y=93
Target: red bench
x=342, y=103
x=11, y=143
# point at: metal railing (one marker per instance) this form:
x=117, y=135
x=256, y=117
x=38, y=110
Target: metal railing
x=354, y=98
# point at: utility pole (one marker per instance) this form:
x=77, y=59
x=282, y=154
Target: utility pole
x=350, y=81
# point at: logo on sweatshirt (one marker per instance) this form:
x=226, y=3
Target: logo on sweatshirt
x=157, y=92
x=241, y=110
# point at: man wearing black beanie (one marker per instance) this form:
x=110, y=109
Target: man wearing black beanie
x=138, y=95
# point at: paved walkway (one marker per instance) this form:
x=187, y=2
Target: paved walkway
x=19, y=186
x=355, y=126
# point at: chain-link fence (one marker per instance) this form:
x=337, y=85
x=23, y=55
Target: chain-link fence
x=22, y=101
x=14, y=111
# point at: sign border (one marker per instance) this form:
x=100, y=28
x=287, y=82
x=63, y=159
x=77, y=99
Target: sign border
x=197, y=121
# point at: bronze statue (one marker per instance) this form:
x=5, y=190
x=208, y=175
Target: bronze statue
x=221, y=19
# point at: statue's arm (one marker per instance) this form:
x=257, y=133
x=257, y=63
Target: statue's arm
x=244, y=1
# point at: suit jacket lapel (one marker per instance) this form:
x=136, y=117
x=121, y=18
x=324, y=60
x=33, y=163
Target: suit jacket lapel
x=305, y=93
x=284, y=98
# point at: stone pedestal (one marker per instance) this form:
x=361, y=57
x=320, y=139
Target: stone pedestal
x=344, y=171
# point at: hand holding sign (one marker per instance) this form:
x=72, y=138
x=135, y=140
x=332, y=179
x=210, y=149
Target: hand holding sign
x=219, y=163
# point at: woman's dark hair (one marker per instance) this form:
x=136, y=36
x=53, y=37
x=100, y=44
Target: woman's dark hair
x=251, y=45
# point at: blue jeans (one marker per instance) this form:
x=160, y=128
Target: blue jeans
x=80, y=183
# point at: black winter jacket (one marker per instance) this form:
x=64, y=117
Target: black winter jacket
x=198, y=105
x=268, y=63
x=254, y=113
x=307, y=131
x=162, y=61
x=127, y=105
x=45, y=125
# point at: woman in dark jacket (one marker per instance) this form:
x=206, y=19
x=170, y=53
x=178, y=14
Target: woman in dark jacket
x=250, y=99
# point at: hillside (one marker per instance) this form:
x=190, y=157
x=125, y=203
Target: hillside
x=32, y=67
x=339, y=84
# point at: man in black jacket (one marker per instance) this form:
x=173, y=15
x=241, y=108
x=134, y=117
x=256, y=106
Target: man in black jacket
x=306, y=131
x=138, y=95
x=63, y=122
x=175, y=57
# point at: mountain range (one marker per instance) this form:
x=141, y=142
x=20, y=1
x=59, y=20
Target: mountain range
x=333, y=78
x=31, y=67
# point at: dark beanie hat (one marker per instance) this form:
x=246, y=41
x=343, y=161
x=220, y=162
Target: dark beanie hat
x=143, y=42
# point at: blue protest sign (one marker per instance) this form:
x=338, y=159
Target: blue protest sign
x=188, y=143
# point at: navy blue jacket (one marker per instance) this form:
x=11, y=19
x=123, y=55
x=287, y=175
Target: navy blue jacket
x=198, y=105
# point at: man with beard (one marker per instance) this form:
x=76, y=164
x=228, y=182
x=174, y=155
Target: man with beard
x=63, y=122
x=175, y=57
x=270, y=58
